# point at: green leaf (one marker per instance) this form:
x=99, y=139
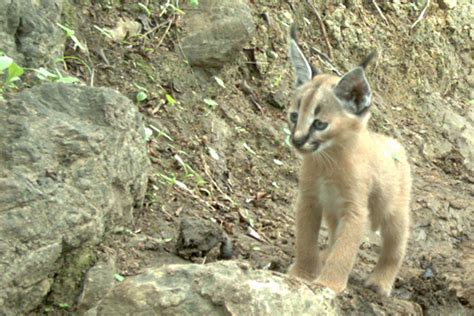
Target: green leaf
x=148, y=133
x=68, y=80
x=145, y=8
x=250, y=150
x=213, y=153
x=5, y=62
x=278, y=162
x=219, y=82
x=63, y=305
x=14, y=73
x=44, y=74
x=119, y=277
x=211, y=103
x=141, y=96
x=193, y=3
x=170, y=99
x=69, y=32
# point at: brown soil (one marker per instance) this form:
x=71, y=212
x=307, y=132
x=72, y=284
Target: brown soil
x=248, y=184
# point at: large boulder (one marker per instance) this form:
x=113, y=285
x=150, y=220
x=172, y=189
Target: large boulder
x=222, y=288
x=217, y=32
x=73, y=163
x=28, y=30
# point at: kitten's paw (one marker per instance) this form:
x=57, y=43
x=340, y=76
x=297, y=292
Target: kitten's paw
x=335, y=286
x=293, y=270
x=378, y=287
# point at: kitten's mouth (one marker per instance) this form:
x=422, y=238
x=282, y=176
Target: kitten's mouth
x=315, y=145
x=309, y=148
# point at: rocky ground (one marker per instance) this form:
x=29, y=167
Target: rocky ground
x=217, y=83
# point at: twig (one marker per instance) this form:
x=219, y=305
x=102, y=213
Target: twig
x=166, y=32
x=422, y=14
x=323, y=28
x=254, y=101
x=380, y=11
x=325, y=59
x=153, y=29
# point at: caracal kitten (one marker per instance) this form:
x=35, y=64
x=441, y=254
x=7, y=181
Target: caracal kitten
x=349, y=175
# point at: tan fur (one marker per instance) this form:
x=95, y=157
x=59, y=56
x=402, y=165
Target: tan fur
x=356, y=177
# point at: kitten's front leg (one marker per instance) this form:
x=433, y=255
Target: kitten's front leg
x=308, y=223
x=341, y=257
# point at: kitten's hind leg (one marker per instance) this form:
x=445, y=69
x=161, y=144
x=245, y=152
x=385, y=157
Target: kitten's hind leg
x=394, y=235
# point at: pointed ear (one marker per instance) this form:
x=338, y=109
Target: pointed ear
x=354, y=92
x=304, y=71
x=368, y=59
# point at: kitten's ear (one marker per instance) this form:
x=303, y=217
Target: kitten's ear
x=354, y=92
x=368, y=59
x=304, y=71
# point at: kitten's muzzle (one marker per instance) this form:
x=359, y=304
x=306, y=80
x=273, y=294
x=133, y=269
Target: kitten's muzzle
x=299, y=141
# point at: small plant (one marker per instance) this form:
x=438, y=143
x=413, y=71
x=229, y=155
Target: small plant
x=161, y=133
x=119, y=277
x=45, y=75
x=211, y=103
x=170, y=100
x=141, y=94
x=190, y=172
x=72, y=35
x=64, y=305
x=145, y=8
x=287, y=136
x=10, y=73
x=106, y=32
x=193, y=3
x=219, y=81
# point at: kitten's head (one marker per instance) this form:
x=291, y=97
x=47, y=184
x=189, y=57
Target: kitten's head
x=327, y=109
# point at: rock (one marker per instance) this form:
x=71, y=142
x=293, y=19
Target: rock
x=217, y=32
x=447, y=4
x=222, y=288
x=466, y=147
x=278, y=100
x=29, y=33
x=74, y=163
x=461, y=131
x=198, y=236
x=97, y=283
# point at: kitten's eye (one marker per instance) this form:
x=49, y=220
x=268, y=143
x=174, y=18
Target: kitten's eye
x=318, y=125
x=294, y=117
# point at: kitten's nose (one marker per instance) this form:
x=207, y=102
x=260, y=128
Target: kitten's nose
x=299, y=140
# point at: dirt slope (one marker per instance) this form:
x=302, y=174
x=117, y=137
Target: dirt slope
x=240, y=171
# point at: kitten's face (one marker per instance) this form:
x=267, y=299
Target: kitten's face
x=317, y=119
x=327, y=109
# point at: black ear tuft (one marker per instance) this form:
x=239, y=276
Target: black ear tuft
x=314, y=71
x=365, y=62
x=293, y=32
x=354, y=92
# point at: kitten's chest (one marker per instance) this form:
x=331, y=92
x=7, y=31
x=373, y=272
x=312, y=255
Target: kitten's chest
x=330, y=194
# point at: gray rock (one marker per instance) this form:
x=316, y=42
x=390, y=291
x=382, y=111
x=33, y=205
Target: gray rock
x=28, y=31
x=217, y=32
x=198, y=236
x=222, y=288
x=74, y=162
x=465, y=143
x=447, y=4
x=461, y=131
x=99, y=280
